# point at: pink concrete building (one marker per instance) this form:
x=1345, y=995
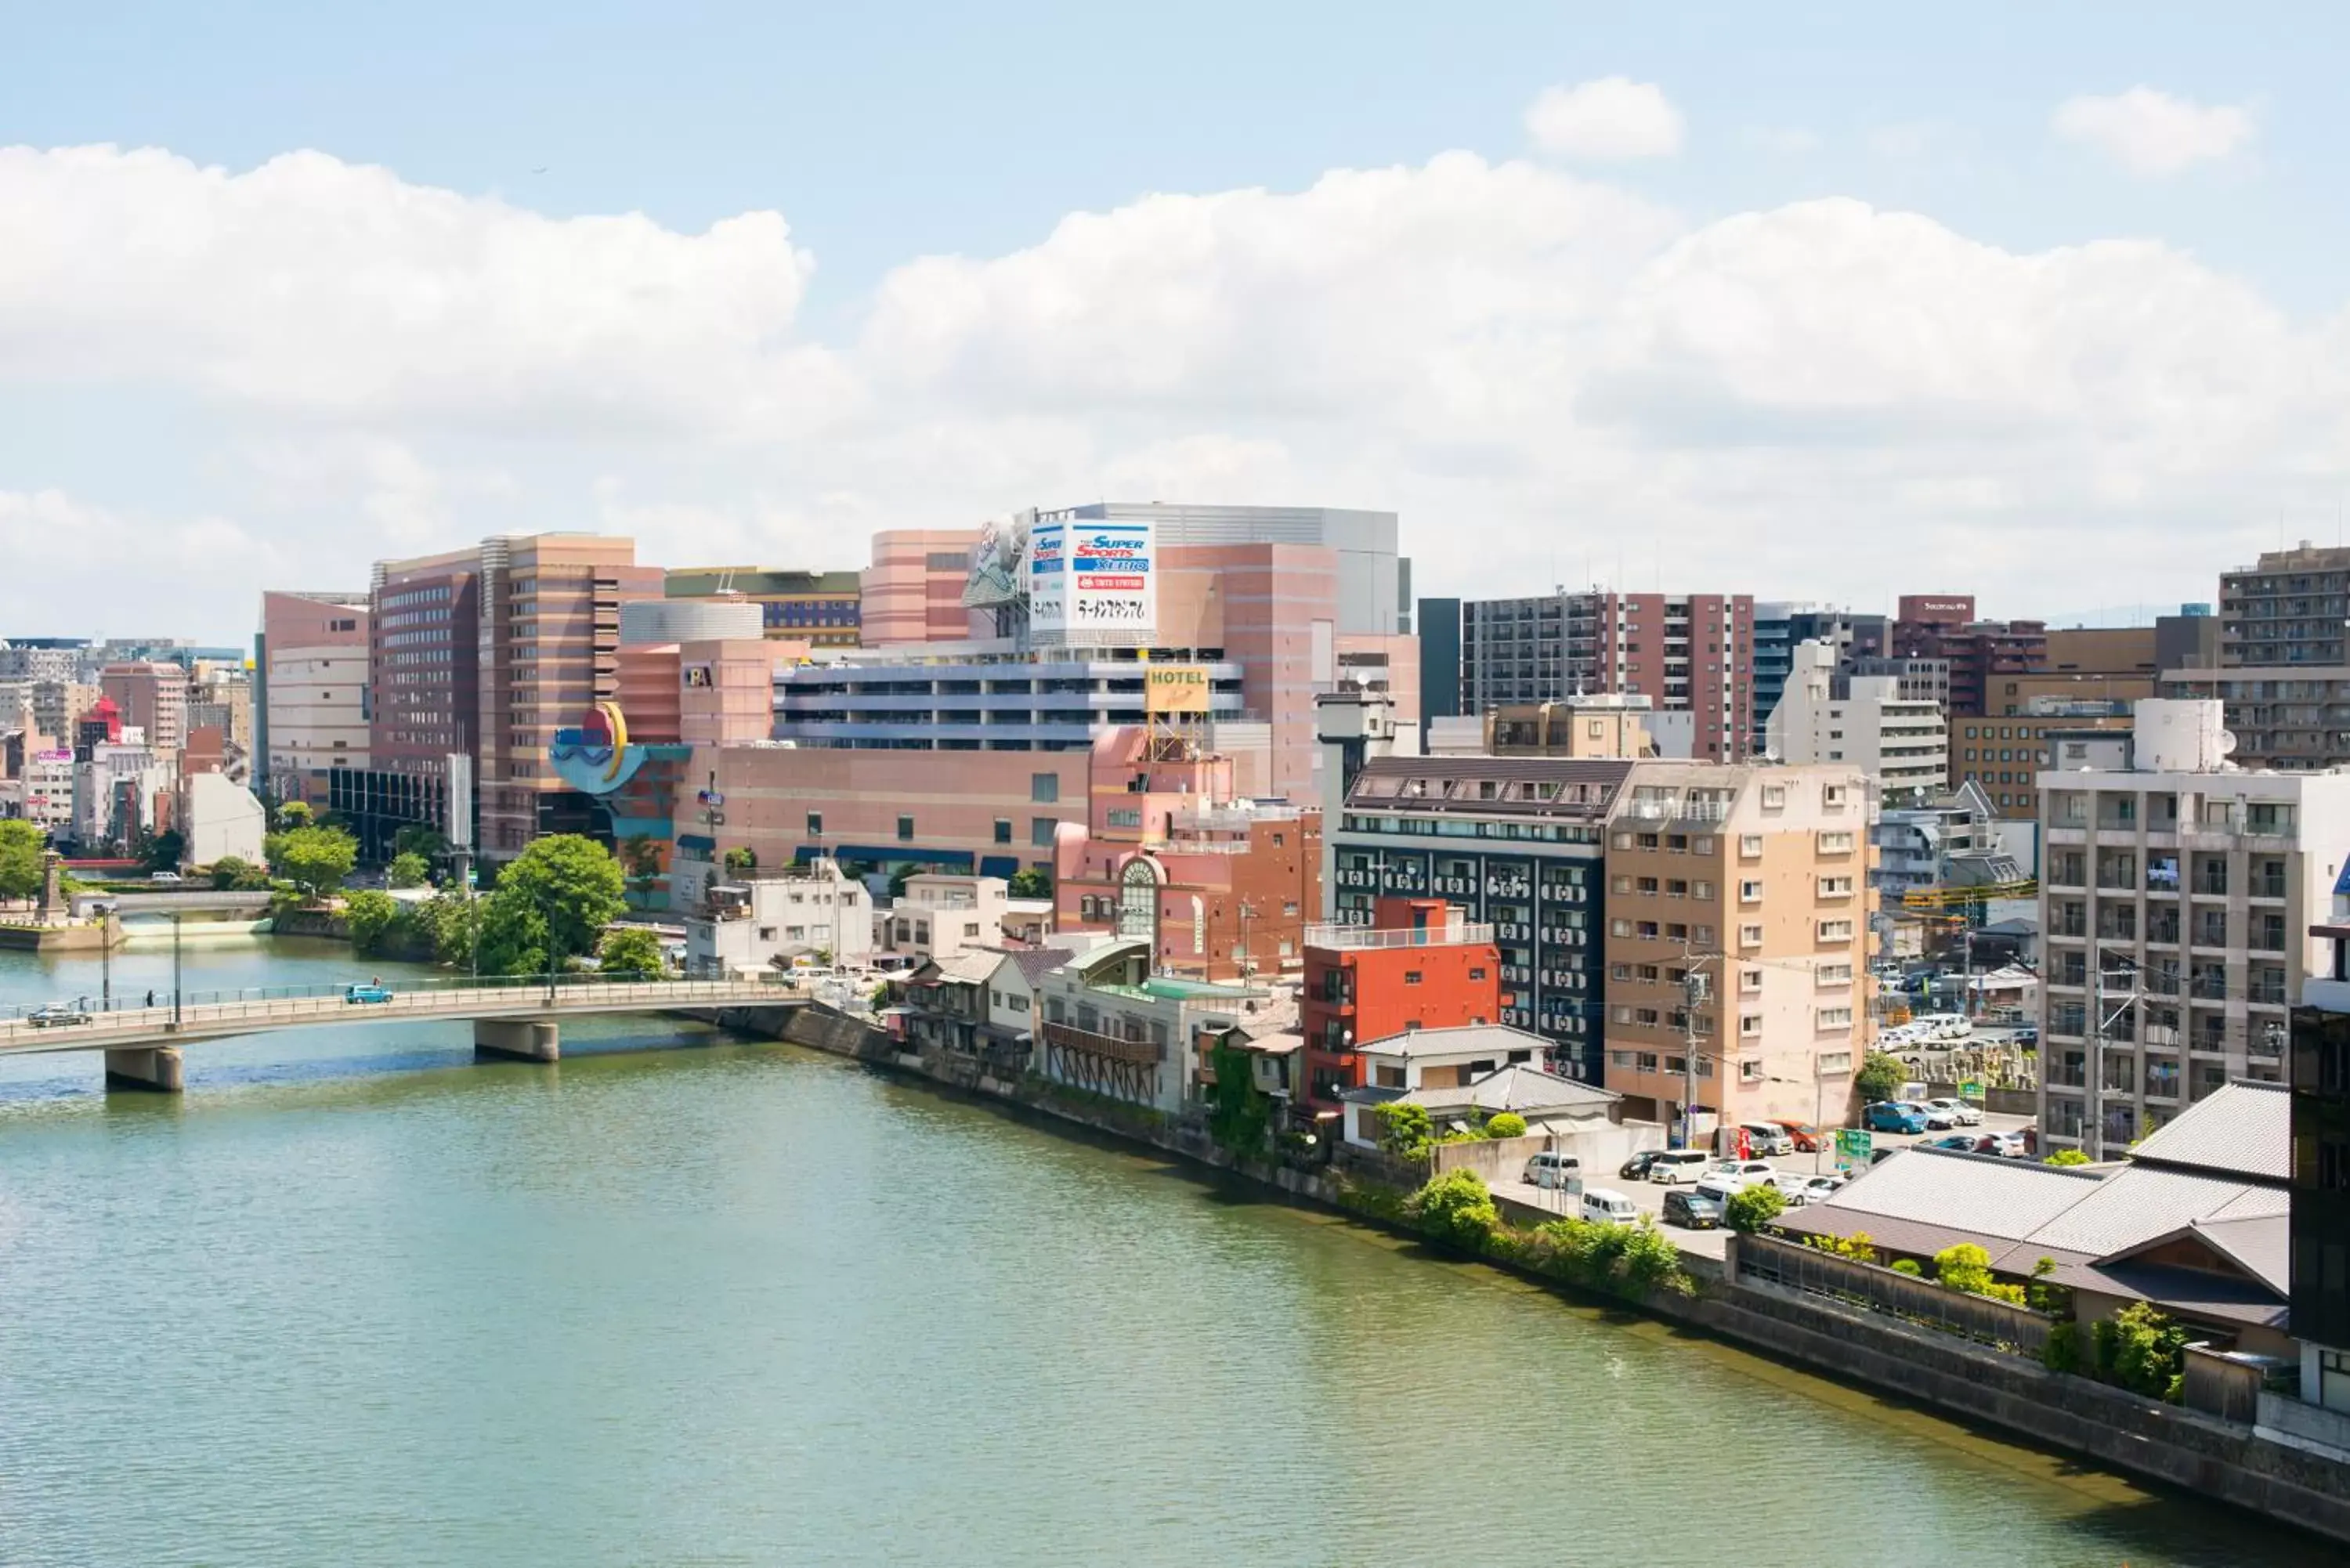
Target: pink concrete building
x=311, y=688
x=913, y=590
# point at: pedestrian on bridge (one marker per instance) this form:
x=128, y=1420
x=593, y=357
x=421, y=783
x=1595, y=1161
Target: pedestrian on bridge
x=151, y=997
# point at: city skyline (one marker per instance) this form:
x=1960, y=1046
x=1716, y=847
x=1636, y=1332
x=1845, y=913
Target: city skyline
x=1575, y=291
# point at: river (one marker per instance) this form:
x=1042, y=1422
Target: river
x=355, y=1300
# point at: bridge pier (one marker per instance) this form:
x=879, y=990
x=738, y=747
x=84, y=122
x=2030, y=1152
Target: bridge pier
x=157, y=1068
x=517, y=1038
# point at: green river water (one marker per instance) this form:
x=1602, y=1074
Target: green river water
x=354, y=1300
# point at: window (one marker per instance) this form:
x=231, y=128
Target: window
x=1477, y=973
x=1040, y=831
x=1749, y=1025
x=1774, y=798
x=1836, y=930
x=1411, y=977
x=1045, y=789
x=1749, y=847
x=1836, y=887
x=1750, y=891
x=1750, y=936
x=971, y=928
x=1647, y=1061
x=815, y=825
x=1749, y=980
x=1835, y=844
x=1834, y=1018
x=1750, y=1072
x=1003, y=830
x=905, y=830
x=1832, y=796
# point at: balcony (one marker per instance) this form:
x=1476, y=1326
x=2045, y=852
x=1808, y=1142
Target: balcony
x=1109, y=1047
x=1457, y=933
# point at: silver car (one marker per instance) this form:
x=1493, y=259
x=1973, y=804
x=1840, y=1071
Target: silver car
x=1960, y=1113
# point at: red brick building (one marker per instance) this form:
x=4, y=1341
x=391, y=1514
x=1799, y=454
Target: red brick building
x=1979, y=652
x=1419, y=965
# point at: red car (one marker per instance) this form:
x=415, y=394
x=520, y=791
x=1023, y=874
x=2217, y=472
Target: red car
x=1806, y=1137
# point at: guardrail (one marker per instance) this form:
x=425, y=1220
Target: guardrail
x=406, y=992
x=1790, y=1266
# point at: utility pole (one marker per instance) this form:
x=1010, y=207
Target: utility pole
x=1694, y=991
x=2100, y=1021
x=175, y=972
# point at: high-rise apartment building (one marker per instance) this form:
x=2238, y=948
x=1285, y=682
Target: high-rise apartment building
x=2177, y=897
x=1899, y=742
x=2320, y=1171
x=43, y=658
x=548, y=651
x=422, y=633
x=2289, y=607
x=310, y=698
x=1779, y=626
x=153, y=695
x=1737, y=942
x=1979, y=652
x=1685, y=652
x=822, y=609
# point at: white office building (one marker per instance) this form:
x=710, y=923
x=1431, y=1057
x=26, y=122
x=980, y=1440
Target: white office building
x=1901, y=743
x=2176, y=899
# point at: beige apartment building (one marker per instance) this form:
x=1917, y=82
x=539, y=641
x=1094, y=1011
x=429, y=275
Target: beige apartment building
x=153, y=695
x=549, y=650
x=1756, y=879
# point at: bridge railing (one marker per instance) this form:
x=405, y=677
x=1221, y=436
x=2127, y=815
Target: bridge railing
x=664, y=990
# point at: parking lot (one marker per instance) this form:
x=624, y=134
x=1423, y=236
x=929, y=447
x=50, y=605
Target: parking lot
x=1649, y=1196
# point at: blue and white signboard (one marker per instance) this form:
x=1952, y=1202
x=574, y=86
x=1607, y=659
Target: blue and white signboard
x=1091, y=581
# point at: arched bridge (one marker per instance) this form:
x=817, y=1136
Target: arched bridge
x=516, y=1017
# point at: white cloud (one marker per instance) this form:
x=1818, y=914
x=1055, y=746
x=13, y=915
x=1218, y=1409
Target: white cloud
x=1612, y=117
x=2153, y=134
x=1781, y=141
x=1544, y=375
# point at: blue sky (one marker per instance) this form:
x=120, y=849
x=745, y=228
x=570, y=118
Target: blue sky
x=883, y=135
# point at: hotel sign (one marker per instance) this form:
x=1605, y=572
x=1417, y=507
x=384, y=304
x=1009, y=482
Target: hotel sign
x=1176, y=689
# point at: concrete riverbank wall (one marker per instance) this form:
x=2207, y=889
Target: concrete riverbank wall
x=2022, y=1399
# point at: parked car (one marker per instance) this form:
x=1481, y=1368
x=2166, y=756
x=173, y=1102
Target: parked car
x=165, y=878
x=1767, y=1138
x=1549, y=1169
x=2027, y=1035
x=2011, y=1144
x=1694, y=1210
x=1960, y=1112
x=1674, y=1166
x=1802, y=1134
x=58, y=1016
x=371, y=991
x=1826, y=1185
x=1636, y=1168
x=1958, y=1143
x=1892, y=1116
x=1796, y=1189
x=1608, y=1206
x=1935, y=1121
x=1742, y=1171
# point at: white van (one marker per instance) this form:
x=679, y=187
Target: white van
x=1675, y=1165
x=1608, y=1207
x=1549, y=1169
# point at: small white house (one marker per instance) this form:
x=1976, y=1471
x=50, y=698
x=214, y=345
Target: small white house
x=757, y=918
x=943, y=915
x=219, y=819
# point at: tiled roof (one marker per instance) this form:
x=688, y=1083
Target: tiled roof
x=1981, y=1194
x=1518, y=1088
x=973, y=966
x=1498, y=1038
x=2260, y=1244
x=1035, y=963
x=2135, y=1205
x=2243, y=1130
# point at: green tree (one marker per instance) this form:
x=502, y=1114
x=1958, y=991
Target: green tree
x=1508, y=1124
x=371, y=917
x=631, y=952
x=1405, y=1130
x=417, y=839
x=1967, y=1267
x=1030, y=882
x=577, y=884
x=1753, y=1207
x=1240, y=1114
x=294, y=814
x=1880, y=1077
x=165, y=851
x=641, y=859
x=2142, y=1349
x=2068, y=1156
x=21, y=866
x=450, y=921
x=314, y=858
x=742, y=858
x=410, y=870
x=513, y=936
x=1456, y=1208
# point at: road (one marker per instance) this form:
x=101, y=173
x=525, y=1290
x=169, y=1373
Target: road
x=1650, y=1198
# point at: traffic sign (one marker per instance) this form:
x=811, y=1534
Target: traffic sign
x=1971, y=1089
x=1852, y=1147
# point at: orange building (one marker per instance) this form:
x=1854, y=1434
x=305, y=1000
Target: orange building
x=1419, y=965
